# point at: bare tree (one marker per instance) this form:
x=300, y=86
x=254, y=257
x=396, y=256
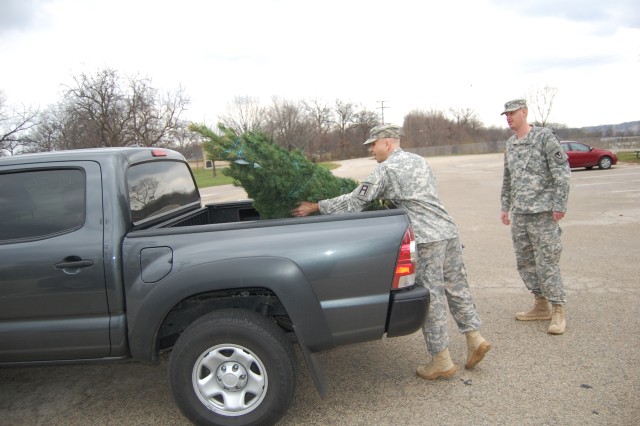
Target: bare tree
x=14, y=124
x=320, y=115
x=289, y=125
x=436, y=128
x=363, y=121
x=77, y=129
x=345, y=112
x=154, y=118
x=540, y=101
x=365, y=118
x=99, y=103
x=466, y=118
x=244, y=114
x=47, y=134
x=189, y=144
x=465, y=126
x=99, y=110
x=426, y=128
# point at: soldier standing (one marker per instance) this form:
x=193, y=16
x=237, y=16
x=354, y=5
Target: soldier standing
x=535, y=188
x=406, y=179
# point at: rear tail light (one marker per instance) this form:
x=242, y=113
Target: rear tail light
x=405, y=274
x=159, y=153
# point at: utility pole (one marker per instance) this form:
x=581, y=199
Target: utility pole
x=381, y=108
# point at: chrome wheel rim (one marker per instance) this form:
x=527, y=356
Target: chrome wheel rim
x=230, y=380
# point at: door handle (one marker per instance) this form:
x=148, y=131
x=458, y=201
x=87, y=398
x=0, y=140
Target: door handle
x=74, y=265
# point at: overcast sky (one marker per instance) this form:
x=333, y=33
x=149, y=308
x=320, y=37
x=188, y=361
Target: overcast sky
x=413, y=55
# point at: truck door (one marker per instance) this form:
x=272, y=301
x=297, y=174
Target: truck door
x=53, y=303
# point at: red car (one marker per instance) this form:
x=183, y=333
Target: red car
x=583, y=155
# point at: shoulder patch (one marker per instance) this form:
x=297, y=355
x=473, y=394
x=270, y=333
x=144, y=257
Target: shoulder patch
x=553, y=150
x=366, y=191
x=558, y=155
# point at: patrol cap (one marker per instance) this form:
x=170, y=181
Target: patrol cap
x=384, y=131
x=514, y=105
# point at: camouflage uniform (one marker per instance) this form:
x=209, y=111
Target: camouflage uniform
x=407, y=179
x=536, y=184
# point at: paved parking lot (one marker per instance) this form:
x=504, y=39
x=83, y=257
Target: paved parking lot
x=588, y=376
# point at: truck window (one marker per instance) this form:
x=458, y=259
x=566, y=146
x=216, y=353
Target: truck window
x=37, y=204
x=158, y=187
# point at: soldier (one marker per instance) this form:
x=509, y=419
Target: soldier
x=535, y=188
x=407, y=179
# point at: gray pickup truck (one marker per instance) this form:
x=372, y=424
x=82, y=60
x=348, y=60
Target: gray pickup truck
x=110, y=254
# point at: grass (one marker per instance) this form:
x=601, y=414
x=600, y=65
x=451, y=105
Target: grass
x=628, y=157
x=205, y=178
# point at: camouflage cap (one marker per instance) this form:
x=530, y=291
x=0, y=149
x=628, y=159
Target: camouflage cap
x=384, y=131
x=514, y=105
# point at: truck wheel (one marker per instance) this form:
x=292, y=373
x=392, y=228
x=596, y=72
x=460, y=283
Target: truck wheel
x=233, y=367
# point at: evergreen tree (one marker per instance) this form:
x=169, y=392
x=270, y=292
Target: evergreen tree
x=276, y=179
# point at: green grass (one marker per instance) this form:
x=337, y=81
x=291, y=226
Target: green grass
x=628, y=157
x=329, y=166
x=205, y=178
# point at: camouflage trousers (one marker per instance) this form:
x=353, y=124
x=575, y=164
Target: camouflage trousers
x=536, y=240
x=441, y=270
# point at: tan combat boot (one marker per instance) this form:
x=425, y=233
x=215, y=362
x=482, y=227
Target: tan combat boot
x=540, y=311
x=477, y=347
x=558, y=323
x=440, y=366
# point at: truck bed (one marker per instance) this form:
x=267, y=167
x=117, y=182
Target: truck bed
x=236, y=211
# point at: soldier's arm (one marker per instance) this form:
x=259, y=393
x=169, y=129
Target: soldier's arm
x=505, y=195
x=560, y=172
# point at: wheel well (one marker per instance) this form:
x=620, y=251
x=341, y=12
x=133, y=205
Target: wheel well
x=188, y=310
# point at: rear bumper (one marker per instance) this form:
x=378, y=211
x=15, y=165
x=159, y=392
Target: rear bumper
x=408, y=310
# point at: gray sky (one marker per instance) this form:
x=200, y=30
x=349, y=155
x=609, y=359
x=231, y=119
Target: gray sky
x=414, y=55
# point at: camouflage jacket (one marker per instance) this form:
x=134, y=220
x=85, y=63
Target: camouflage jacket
x=406, y=179
x=536, y=174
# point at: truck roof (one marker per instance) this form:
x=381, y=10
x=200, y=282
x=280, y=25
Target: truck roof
x=128, y=154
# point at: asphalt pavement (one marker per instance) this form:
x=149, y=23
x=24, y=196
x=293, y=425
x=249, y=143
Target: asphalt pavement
x=588, y=376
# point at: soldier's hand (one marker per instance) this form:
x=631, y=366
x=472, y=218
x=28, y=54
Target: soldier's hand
x=504, y=217
x=557, y=216
x=305, y=208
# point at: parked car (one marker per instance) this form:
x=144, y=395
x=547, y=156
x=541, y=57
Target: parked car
x=583, y=155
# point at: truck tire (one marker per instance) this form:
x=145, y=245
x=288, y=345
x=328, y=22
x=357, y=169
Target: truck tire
x=233, y=367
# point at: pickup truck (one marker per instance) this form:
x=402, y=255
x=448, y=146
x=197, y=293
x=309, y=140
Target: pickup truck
x=109, y=254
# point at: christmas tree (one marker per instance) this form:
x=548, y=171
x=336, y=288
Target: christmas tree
x=276, y=179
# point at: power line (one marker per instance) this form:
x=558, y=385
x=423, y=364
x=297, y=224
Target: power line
x=381, y=108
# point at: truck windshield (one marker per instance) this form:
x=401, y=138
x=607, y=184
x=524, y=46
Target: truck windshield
x=159, y=187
